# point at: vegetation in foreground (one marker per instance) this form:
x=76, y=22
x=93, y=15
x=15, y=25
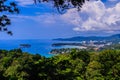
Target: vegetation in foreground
x=77, y=65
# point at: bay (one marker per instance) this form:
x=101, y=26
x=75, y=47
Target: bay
x=42, y=47
x=38, y=46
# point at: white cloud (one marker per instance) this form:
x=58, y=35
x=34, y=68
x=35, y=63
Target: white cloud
x=112, y=0
x=46, y=18
x=94, y=16
x=25, y=2
x=41, y=19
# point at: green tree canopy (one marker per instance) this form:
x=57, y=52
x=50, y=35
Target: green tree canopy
x=6, y=8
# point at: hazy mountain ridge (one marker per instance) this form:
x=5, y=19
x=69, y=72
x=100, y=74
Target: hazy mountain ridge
x=98, y=38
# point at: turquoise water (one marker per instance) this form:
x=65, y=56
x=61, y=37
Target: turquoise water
x=42, y=47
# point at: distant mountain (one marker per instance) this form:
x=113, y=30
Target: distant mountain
x=116, y=36
x=98, y=38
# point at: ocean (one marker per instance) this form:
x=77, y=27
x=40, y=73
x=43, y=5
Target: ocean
x=42, y=47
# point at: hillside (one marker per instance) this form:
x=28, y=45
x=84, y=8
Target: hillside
x=94, y=38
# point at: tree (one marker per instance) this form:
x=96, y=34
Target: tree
x=110, y=60
x=63, y=5
x=11, y=7
x=93, y=71
x=6, y=8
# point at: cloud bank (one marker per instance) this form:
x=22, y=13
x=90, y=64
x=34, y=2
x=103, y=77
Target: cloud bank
x=94, y=16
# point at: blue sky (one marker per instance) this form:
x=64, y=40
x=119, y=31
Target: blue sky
x=42, y=21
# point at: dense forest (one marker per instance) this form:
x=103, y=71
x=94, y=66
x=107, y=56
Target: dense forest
x=77, y=65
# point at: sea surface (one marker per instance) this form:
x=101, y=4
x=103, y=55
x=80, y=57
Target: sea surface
x=42, y=47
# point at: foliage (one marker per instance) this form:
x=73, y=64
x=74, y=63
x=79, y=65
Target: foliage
x=77, y=65
x=6, y=8
x=63, y=5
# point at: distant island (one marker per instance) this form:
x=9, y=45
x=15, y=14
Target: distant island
x=25, y=45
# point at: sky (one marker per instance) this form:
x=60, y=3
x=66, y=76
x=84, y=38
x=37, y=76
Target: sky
x=42, y=21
